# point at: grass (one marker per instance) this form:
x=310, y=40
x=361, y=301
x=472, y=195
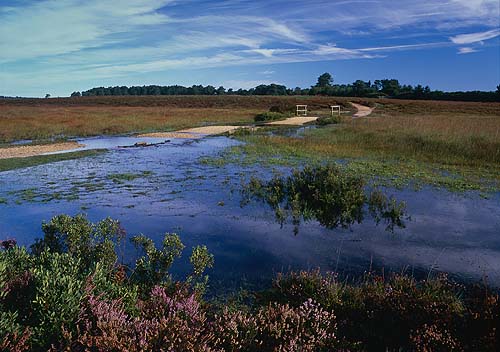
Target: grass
x=455, y=145
x=19, y=163
x=450, y=145
x=41, y=119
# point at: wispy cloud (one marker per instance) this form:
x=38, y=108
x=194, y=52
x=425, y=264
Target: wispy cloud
x=63, y=42
x=55, y=27
x=475, y=37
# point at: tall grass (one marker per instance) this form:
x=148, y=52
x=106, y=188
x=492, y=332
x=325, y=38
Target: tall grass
x=453, y=139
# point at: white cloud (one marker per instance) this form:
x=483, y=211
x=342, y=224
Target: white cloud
x=475, y=37
x=466, y=50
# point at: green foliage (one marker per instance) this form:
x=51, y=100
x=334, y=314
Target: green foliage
x=201, y=260
x=59, y=288
x=79, y=237
x=269, y=116
x=153, y=268
x=325, y=80
x=113, y=285
x=324, y=86
x=44, y=295
x=328, y=120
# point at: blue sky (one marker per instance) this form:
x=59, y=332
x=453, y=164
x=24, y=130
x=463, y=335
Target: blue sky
x=59, y=46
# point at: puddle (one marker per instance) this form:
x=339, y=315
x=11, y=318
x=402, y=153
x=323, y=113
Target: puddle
x=164, y=188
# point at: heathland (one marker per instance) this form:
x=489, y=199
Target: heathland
x=450, y=144
x=74, y=291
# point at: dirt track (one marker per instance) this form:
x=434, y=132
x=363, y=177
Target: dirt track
x=363, y=111
x=25, y=151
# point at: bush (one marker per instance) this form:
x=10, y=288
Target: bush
x=328, y=120
x=269, y=116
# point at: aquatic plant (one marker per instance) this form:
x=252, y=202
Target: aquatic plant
x=327, y=194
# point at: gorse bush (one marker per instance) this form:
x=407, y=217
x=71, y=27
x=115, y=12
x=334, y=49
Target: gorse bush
x=61, y=297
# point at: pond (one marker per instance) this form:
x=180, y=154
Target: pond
x=164, y=188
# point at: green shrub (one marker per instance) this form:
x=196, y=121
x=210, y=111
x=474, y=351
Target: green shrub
x=59, y=288
x=270, y=116
x=328, y=120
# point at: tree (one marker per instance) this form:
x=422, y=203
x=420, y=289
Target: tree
x=221, y=90
x=47, y=96
x=325, y=80
x=390, y=86
x=359, y=88
x=76, y=94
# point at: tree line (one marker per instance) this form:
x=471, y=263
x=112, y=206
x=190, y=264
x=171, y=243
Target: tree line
x=384, y=88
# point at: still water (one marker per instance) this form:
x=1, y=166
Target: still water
x=165, y=188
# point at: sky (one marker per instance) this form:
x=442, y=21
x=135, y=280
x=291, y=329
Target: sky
x=60, y=46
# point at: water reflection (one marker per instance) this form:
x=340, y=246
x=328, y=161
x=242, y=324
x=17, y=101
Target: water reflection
x=327, y=194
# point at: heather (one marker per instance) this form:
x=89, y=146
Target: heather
x=71, y=292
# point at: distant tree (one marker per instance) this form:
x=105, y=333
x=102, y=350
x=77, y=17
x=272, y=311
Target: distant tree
x=325, y=80
x=221, y=90
x=359, y=88
x=47, y=96
x=76, y=94
x=390, y=86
